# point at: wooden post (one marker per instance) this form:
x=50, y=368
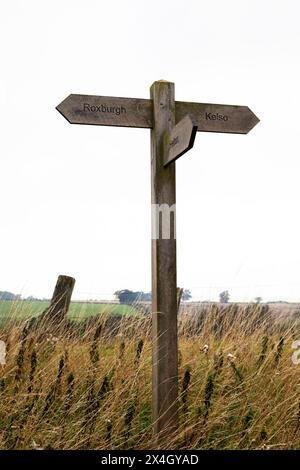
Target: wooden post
x=164, y=301
x=60, y=301
x=179, y=295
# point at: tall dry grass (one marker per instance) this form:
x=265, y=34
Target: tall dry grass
x=89, y=386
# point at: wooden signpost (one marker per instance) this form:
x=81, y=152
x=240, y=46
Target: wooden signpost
x=173, y=127
x=135, y=112
x=181, y=139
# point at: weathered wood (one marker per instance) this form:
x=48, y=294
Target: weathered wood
x=218, y=117
x=60, y=301
x=107, y=111
x=164, y=301
x=181, y=139
x=135, y=112
x=179, y=296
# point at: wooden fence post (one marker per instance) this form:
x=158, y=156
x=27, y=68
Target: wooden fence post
x=179, y=296
x=60, y=301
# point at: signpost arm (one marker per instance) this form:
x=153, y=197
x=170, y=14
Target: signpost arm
x=164, y=282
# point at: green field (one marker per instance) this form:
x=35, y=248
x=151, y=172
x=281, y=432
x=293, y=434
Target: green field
x=78, y=311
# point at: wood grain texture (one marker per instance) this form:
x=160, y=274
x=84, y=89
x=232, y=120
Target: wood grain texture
x=107, y=111
x=61, y=299
x=135, y=112
x=218, y=117
x=164, y=296
x=181, y=139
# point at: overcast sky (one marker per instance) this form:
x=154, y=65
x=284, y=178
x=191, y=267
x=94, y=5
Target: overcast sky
x=75, y=199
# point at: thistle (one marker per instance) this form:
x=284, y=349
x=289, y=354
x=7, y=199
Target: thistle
x=263, y=435
x=33, y=365
x=2, y=384
x=91, y=400
x=108, y=432
x=121, y=350
x=20, y=362
x=68, y=401
x=264, y=349
x=129, y=415
x=185, y=386
x=59, y=374
x=139, y=350
x=237, y=372
x=94, y=353
x=55, y=389
x=218, y=363
x=105, y=386
x=208, y=392
x=248, y=418
x=279, y=350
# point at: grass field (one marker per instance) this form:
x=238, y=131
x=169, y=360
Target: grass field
x=78, y=311
x=238, y=386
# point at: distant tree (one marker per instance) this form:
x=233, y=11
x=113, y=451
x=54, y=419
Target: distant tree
x=186, y=294
x=224, y=297
x=31, y=298
x=116, y=294
x=146, y=297
x=258, y=300
x=127, y=296
x=4, y=295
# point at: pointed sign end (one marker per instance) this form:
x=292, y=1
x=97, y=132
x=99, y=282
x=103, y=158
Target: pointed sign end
x=253, y=121
x=62, y=109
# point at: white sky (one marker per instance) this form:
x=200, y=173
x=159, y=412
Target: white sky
x=76, y=199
